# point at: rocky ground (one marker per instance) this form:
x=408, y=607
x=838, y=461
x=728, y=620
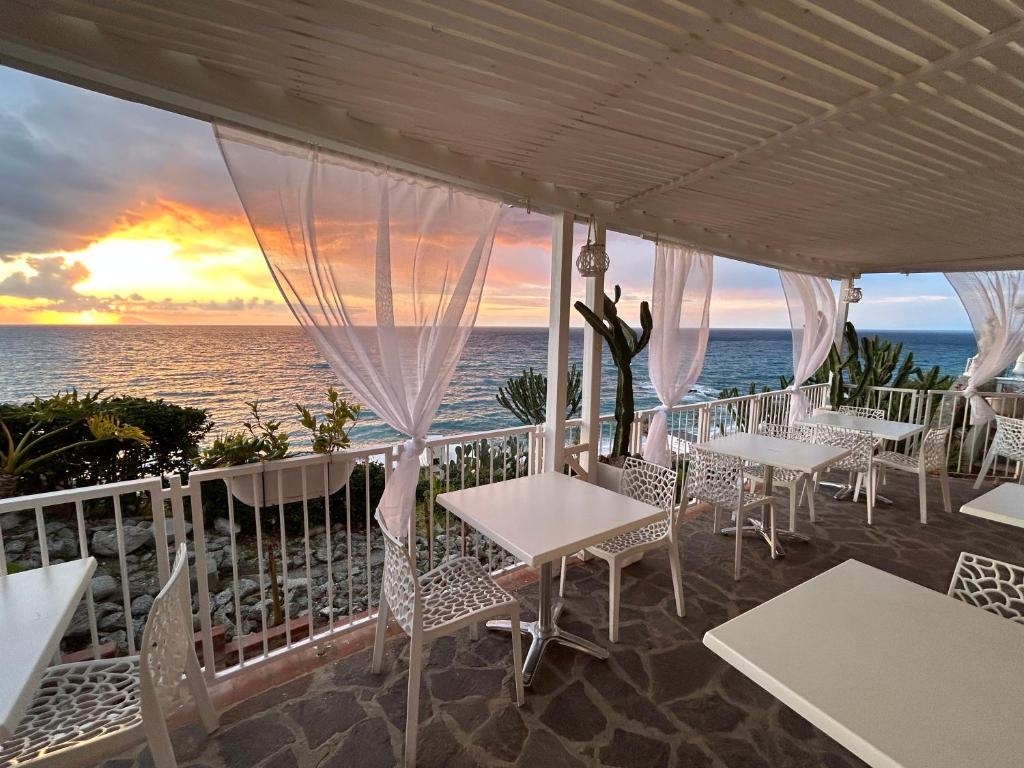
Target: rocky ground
x=351, y=571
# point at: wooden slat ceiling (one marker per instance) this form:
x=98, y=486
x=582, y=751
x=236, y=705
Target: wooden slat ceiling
x=835, y=136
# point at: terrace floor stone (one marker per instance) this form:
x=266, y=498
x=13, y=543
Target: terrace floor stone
x=662, y=699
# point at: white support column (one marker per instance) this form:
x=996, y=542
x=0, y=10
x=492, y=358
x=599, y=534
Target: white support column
x=558, y=340
x=843, y=313
x=591, y=413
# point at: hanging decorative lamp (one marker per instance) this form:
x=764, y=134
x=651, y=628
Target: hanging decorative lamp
x=593, y=259
x=852, y=295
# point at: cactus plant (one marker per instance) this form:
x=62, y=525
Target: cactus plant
x=525, y=395
x=624, y=345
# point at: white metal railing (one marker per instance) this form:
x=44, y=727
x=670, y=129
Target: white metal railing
x=308, y=549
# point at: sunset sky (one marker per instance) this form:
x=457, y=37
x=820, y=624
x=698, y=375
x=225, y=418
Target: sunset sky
x=112, y=212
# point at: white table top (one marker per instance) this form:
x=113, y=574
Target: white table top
x=1004, y=504
x=36, y=607
x=777, y=452
x=542, y=517
x=882, y=429
x=898, y=674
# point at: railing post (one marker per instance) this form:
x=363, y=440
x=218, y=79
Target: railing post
x=590, y=431
x=754, y=414
x=202, y=584
x=558, y=339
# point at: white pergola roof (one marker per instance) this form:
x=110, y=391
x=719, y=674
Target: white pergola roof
x=837, y=136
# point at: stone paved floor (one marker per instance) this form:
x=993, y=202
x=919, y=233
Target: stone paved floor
x=661, y=700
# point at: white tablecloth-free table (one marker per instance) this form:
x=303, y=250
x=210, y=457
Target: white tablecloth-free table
x=775, y=453
x=881, y=429
x=900, y=675
x=539, y=519
x=36, y=607
x=1004, y=504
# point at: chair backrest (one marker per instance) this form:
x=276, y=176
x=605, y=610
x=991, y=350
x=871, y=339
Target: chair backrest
x=861, y=444
x=399, y=584
x=714, y=477
x=867, y=413
x=1009, y=439
x=652, y=484
x=802, y=432
x=933, y=453
x=943, y=410
x=167, y=637
x=992, y=585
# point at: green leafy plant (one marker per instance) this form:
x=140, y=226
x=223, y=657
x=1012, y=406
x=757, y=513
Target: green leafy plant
x=525, y=395
x=50, y=420
x=331, y=433
x=258, y=440
x=624, y=345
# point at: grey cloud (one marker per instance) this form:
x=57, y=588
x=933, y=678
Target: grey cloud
x=54, y=279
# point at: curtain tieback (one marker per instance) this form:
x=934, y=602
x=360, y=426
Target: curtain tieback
x=413, y=446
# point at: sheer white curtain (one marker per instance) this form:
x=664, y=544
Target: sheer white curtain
x=382, y=269
x=995, y=304
x=680, y=299
x=812, y=320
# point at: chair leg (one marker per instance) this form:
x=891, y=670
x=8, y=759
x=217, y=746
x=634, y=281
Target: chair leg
x=717, y=525
x=944, y=481
x=677, y=576
x=856, y=487
x=986, y=465
x=793, y=496
x=412, y=707
x=517, y=655
x=200, y=693
x=155, y=727
x=614, y=590
x=772, y=533
x=382, y=630
x=870, y=494
x=922, y=493
x=474, y=631
x=739, y=546
x=810, y=498
x=561, y=577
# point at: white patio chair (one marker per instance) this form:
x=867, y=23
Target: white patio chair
x=798, y=483
x=989, y=584
x=88, y=710
x=867, y=413
x=456, y=594
x=1008, y=443
x=655, y=485
x=930, y=457
x=718, y=479
x=859, y=464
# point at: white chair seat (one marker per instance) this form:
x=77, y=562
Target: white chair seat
x=78, y=704
x=649, y=534
x=459, y=588
x=897, y=460
x=779, y=476
x=751, y=500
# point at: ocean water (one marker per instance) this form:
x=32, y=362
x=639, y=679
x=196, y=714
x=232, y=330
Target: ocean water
x=220, y=368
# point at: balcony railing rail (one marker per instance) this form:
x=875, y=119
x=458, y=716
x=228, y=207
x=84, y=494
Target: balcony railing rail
x=284, y=553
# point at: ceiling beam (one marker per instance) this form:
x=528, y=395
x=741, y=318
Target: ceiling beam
x=748, y=154
x=78, y=52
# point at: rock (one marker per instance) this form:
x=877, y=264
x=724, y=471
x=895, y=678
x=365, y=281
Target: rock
x=141, y=605
x=104, y=586
x=169, y=529
x=12, y=520
x=111, y=621
x=104, y=543
x=247, y=587
x=223, y=525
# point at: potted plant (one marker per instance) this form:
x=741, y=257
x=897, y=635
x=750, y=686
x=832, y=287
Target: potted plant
x=261, y=440
x=36, y=445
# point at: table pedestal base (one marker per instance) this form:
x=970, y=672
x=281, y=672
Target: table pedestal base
x=546, y=630
x=845, y=491
x=760, y=528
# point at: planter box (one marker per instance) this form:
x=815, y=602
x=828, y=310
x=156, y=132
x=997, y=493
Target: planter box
x=291, y=484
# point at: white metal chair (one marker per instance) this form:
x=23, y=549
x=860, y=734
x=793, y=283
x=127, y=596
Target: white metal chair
x=867, y=413
x=989, y=584
x=1008, y=443
x=798, y=483
x=718, y=479
x=859, y=463
x=88, y=710
x=655, y=485
x=456, y=594
x=930, y=457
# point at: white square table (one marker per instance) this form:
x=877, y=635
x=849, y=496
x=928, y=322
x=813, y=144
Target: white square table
x=880, y=429
x=36, y=607
x=1004, y=504
x=772, y=453
x=539, y=519
x=900, y=675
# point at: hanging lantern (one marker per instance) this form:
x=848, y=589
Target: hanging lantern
x=852, y=295
x=593, y=259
